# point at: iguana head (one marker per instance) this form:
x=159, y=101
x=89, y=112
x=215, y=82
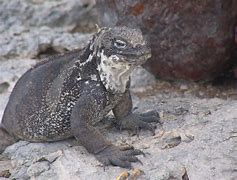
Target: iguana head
x=119, y=50
x=123, y=45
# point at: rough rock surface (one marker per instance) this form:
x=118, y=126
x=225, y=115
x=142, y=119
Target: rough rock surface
x=19, y=15
x=197, y=140
x=189, y=40
x=34, y=27
x=39, y=41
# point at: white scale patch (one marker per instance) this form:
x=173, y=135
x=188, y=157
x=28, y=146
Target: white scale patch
x=93, y=77
x=87, y=61
x=78, y=78
x=115, y=75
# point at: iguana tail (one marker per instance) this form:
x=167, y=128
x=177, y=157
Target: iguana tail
x=5, y=139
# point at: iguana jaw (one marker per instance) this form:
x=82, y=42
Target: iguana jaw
x=115, y=72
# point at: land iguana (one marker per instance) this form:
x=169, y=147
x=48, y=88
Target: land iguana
x=66, y=95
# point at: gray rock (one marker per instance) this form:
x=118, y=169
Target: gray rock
x=38, y=40
x=38, y=168
x=20, y=15
x=141, y=78
x=5, y=168
x=35, y=27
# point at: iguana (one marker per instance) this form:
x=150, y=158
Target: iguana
x=66, y=95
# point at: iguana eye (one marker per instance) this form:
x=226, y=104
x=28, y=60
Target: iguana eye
x=120, y=44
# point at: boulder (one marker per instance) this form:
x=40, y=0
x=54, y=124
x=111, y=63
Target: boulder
x=189, y=39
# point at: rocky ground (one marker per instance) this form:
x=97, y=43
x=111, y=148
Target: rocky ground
x=196, y=140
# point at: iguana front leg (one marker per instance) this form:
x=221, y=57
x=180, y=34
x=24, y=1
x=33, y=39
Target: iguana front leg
x=87, y=108
x=128, y=120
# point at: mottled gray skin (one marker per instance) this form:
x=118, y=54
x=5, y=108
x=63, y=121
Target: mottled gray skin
x=66, y=95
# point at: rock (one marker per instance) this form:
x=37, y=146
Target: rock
x=183, y=87
x=141, y=78
x=38, y=41
x=51, y=157
x=5, y=174
x=3, y=87
x=170, y=140
x=35, y=28
x=21, y=15
x=123, y=176
x=189, y=40
x=37, y=168
x=187, y=137
x=5, y=168
x=236, y=34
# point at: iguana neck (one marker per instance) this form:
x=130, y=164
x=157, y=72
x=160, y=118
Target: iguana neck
x=113, y=74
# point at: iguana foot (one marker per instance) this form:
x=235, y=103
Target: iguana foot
x=123, y=157
x=136, y=122
x=151, y=116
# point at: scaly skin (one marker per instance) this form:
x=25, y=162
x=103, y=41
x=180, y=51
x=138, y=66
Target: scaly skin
x=65, y=95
